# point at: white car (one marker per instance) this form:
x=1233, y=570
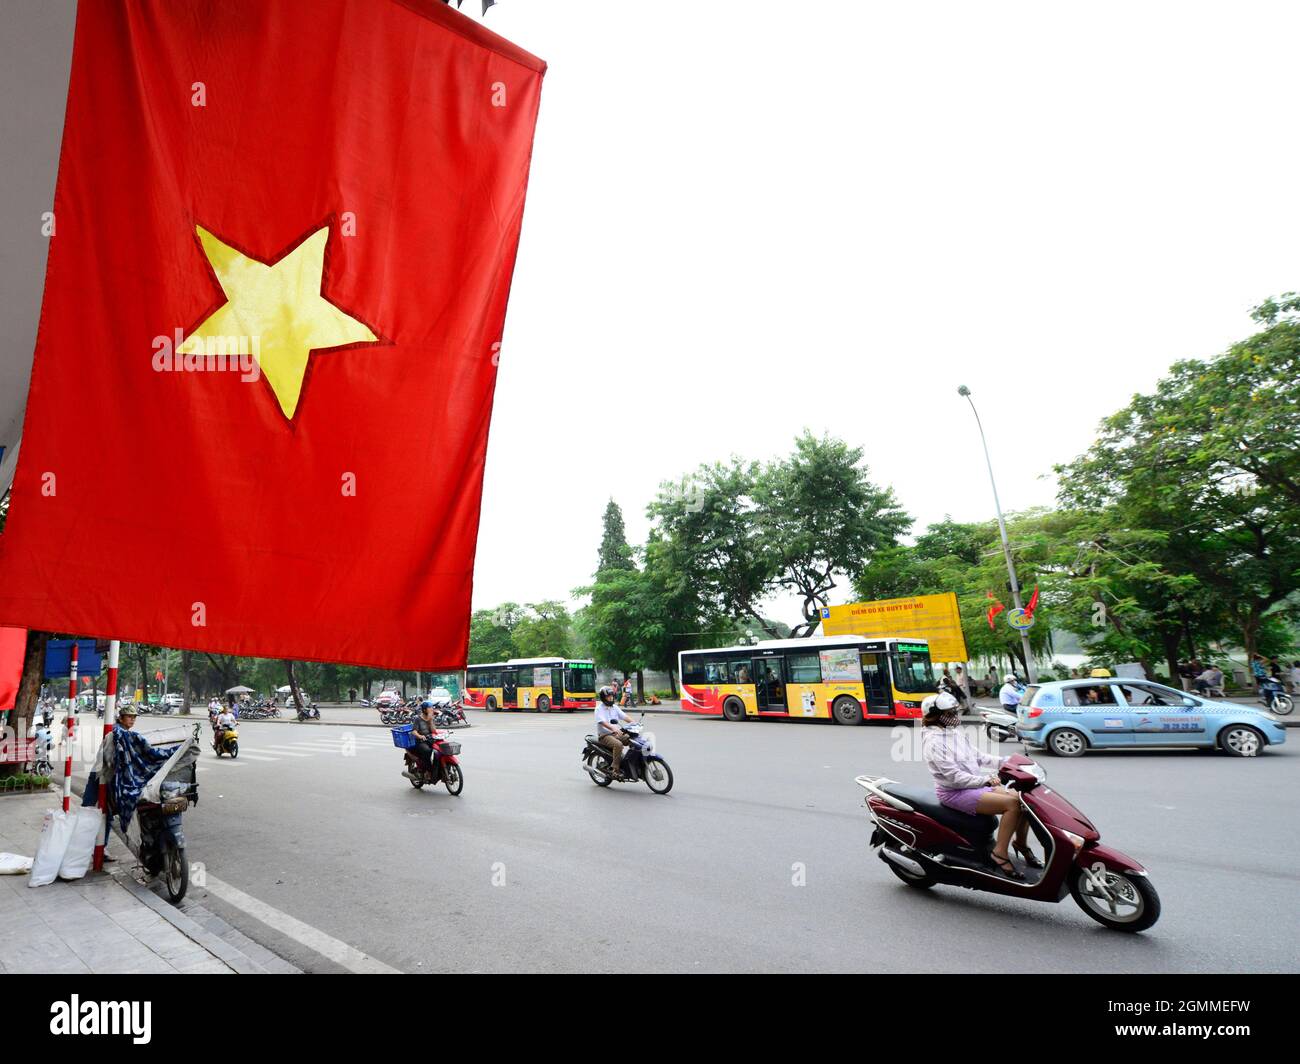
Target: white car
x=440, y=696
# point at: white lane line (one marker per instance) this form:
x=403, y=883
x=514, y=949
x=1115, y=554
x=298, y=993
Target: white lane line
x=313, y=938
x=280, y=751
x=243, y=756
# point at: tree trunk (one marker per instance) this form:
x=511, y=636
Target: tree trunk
x=1172, y=639
x=294, y=692
x=185, y=682
x=640, y=686
x=672, y=682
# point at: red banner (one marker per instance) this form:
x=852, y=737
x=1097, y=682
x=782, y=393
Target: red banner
x=285, y=234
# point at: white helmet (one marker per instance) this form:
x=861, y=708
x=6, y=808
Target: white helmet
x=1009, y=678
x=938, y=703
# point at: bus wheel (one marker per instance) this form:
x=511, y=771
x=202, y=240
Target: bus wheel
x=543, y=705
x=846, y=710
x=733, y=709
x=491, y=704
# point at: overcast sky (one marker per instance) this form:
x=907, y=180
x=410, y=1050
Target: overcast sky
x=745, y=218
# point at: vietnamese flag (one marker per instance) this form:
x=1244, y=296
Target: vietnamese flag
x=275, y=295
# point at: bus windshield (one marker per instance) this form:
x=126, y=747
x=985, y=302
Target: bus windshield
x=580, y=679
x=912, y=672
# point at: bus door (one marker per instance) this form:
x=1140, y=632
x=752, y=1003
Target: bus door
x=875, y=683
x=769, y=685
x=509, y=689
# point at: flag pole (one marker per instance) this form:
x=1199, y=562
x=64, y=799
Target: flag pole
x=110, y=718
x=71, y=729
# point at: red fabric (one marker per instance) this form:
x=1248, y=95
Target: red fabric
x=13, y=648
x=175, y=489
x=993, y=610
x=1033, y=603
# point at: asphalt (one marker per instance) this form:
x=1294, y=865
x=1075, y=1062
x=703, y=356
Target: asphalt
x=757, y=860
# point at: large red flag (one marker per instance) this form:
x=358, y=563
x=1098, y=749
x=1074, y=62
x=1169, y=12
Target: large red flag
x=284, y=237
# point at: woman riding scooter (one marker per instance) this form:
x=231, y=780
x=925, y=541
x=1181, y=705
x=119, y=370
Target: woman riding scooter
x=966, y=780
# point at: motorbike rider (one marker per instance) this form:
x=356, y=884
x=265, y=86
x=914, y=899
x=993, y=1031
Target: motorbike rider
x=963, y=782
x=1011, y=693
x=608, y=732
x=224, y=722
x=422, y=730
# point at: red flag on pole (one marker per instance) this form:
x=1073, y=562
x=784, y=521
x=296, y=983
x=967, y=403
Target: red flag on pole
x=1033, y=604
x=284, y=239
x=994, y=610
x=13, y=648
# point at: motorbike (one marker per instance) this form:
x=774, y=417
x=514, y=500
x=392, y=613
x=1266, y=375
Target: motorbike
x=309, y=712
x=999, y=726
x=1274, y=697
x=443, y=764
x=42, y=749
x=225, y=741
x=639, y=762
x=162, y=838
x=450, y=716
x=924, y=842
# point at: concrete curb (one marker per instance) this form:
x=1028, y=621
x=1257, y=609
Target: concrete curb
x=223, y=951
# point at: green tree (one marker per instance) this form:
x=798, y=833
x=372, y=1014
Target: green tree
x=615, y=554
x=546, y=628
x=1211, y=461
x=491, y=633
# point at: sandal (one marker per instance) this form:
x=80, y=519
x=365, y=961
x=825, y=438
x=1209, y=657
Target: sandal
x=1028, y=856
x=1005, y=867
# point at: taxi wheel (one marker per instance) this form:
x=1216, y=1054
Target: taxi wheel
x=733, y=709
x=1067, y=743
x=1241, y=740
x=846, y=710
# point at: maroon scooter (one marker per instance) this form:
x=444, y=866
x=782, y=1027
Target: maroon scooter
x=924, y=842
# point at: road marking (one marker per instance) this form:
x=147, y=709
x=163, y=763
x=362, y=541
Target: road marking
x=313, y=938
x=280, y=751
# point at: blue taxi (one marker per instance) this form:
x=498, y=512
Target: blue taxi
x=1070, y=717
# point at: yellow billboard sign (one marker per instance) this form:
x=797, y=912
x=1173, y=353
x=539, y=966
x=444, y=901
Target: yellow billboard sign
x=932, y=617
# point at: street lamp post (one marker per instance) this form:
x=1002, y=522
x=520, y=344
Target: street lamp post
x=964, y=392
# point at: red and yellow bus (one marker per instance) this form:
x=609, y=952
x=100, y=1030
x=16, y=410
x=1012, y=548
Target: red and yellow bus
x=846, y=678
x=541, y=684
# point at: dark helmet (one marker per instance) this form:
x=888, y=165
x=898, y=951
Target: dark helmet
x=607, y=695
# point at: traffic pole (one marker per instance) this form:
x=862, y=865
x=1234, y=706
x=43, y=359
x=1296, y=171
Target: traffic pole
x=110, y=718
x=71, y=730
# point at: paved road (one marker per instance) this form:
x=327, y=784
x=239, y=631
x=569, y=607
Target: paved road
x=534, y=868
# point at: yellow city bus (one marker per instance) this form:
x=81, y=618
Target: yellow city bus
x=542, y=684
x=846, y=678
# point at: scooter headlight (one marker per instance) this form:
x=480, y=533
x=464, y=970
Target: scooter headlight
x=1076, y=840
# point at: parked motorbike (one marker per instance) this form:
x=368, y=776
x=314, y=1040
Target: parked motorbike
x=999, y=726
x=452, y=716
x=639, y=762
x=1274, y=697
x=162, y=838
x=924, y=842
x=443, y=764
x=42, y=749
x=309, y=712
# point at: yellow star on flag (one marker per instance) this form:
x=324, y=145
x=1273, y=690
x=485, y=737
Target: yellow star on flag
x=277, y=311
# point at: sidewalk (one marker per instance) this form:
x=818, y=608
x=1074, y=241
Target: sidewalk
x=104, y=923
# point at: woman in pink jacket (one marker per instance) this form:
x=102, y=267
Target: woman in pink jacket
x=966, y=780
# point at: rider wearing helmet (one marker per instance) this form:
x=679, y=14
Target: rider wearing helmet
x=1011, y=693
x=965, y=779
x=608, y=732
x=422, y=730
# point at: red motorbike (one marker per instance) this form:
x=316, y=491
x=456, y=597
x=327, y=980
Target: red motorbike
x=924, y=842
x=443, y=764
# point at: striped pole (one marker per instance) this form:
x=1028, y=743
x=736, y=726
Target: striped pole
x=71, y=731
x=110, y=718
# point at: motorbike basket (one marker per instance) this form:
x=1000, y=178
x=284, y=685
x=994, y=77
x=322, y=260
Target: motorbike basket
x=451, y=749
x=402, y=737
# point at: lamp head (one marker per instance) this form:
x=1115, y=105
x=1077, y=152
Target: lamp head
x=963, y=391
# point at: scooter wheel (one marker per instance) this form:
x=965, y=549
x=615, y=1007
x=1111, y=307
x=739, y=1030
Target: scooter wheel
x=176, y=871
x=453, y=778
x=599, y=775
x=1128, y=903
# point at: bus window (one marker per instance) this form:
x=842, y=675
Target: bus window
x=805, y=668
x=740, y=672
x=580, y=679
